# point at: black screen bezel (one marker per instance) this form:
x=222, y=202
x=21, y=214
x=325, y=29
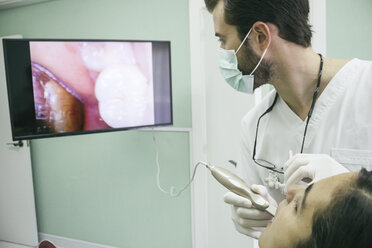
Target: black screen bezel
x=23, y=62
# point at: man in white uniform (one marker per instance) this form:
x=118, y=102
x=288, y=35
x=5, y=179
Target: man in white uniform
x=319, y=110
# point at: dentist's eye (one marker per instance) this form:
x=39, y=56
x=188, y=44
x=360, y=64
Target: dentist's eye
x=221, y=41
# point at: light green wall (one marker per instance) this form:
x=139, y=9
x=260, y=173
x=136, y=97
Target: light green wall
x=102, y=187
x=349, y=29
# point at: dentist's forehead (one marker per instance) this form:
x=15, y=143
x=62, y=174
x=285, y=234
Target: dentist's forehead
x=221, y=28
x=218, y=16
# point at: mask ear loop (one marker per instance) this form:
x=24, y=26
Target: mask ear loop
x=259, y=62
x=263, y=55
x=241, y=44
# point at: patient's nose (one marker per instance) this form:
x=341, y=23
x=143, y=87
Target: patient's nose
x=293, y=190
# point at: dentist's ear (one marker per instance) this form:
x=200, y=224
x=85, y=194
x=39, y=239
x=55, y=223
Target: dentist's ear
x=261, y=35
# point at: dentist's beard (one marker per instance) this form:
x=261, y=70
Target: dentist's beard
x=248, y=61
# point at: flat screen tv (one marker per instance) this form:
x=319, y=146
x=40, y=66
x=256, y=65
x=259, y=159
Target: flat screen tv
x=67, y=87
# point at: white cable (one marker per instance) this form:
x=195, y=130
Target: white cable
x=172, y=191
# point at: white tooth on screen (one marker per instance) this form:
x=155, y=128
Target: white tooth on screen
x=93, y=55
x=119, y=53
x=122, y=93
x=98, y=56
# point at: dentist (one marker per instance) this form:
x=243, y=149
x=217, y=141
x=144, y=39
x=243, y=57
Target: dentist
x=319, y=108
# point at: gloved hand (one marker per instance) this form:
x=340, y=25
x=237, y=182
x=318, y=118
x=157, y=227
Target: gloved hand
x=310, y=168
x=247, y=219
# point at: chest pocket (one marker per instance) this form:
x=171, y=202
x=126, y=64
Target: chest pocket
x=353, y=159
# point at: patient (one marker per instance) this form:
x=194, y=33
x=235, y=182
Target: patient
x=334, y=212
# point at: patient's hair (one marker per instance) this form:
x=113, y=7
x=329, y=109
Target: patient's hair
x=348, y=221
x=290, y=17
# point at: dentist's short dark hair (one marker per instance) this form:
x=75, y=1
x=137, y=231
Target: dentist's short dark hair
x=290, y=16
x=347, y=222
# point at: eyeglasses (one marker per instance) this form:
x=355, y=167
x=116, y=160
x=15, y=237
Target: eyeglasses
x=262, y=162
x=267, y=164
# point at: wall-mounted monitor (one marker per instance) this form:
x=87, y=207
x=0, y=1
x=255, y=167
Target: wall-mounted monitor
x=65, y=87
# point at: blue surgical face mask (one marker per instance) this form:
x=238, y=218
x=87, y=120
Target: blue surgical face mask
x=228, y=63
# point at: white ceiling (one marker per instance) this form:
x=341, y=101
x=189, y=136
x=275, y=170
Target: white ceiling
x=7, y=4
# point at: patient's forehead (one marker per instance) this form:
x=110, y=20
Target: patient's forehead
x=323, y=192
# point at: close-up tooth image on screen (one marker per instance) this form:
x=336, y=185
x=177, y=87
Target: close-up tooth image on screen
x=85, y=86
x=112, y=80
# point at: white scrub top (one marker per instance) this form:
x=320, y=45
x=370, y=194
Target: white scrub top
x=341, y=126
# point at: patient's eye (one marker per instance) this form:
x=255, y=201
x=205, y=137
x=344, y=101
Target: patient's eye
x=295, y=204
